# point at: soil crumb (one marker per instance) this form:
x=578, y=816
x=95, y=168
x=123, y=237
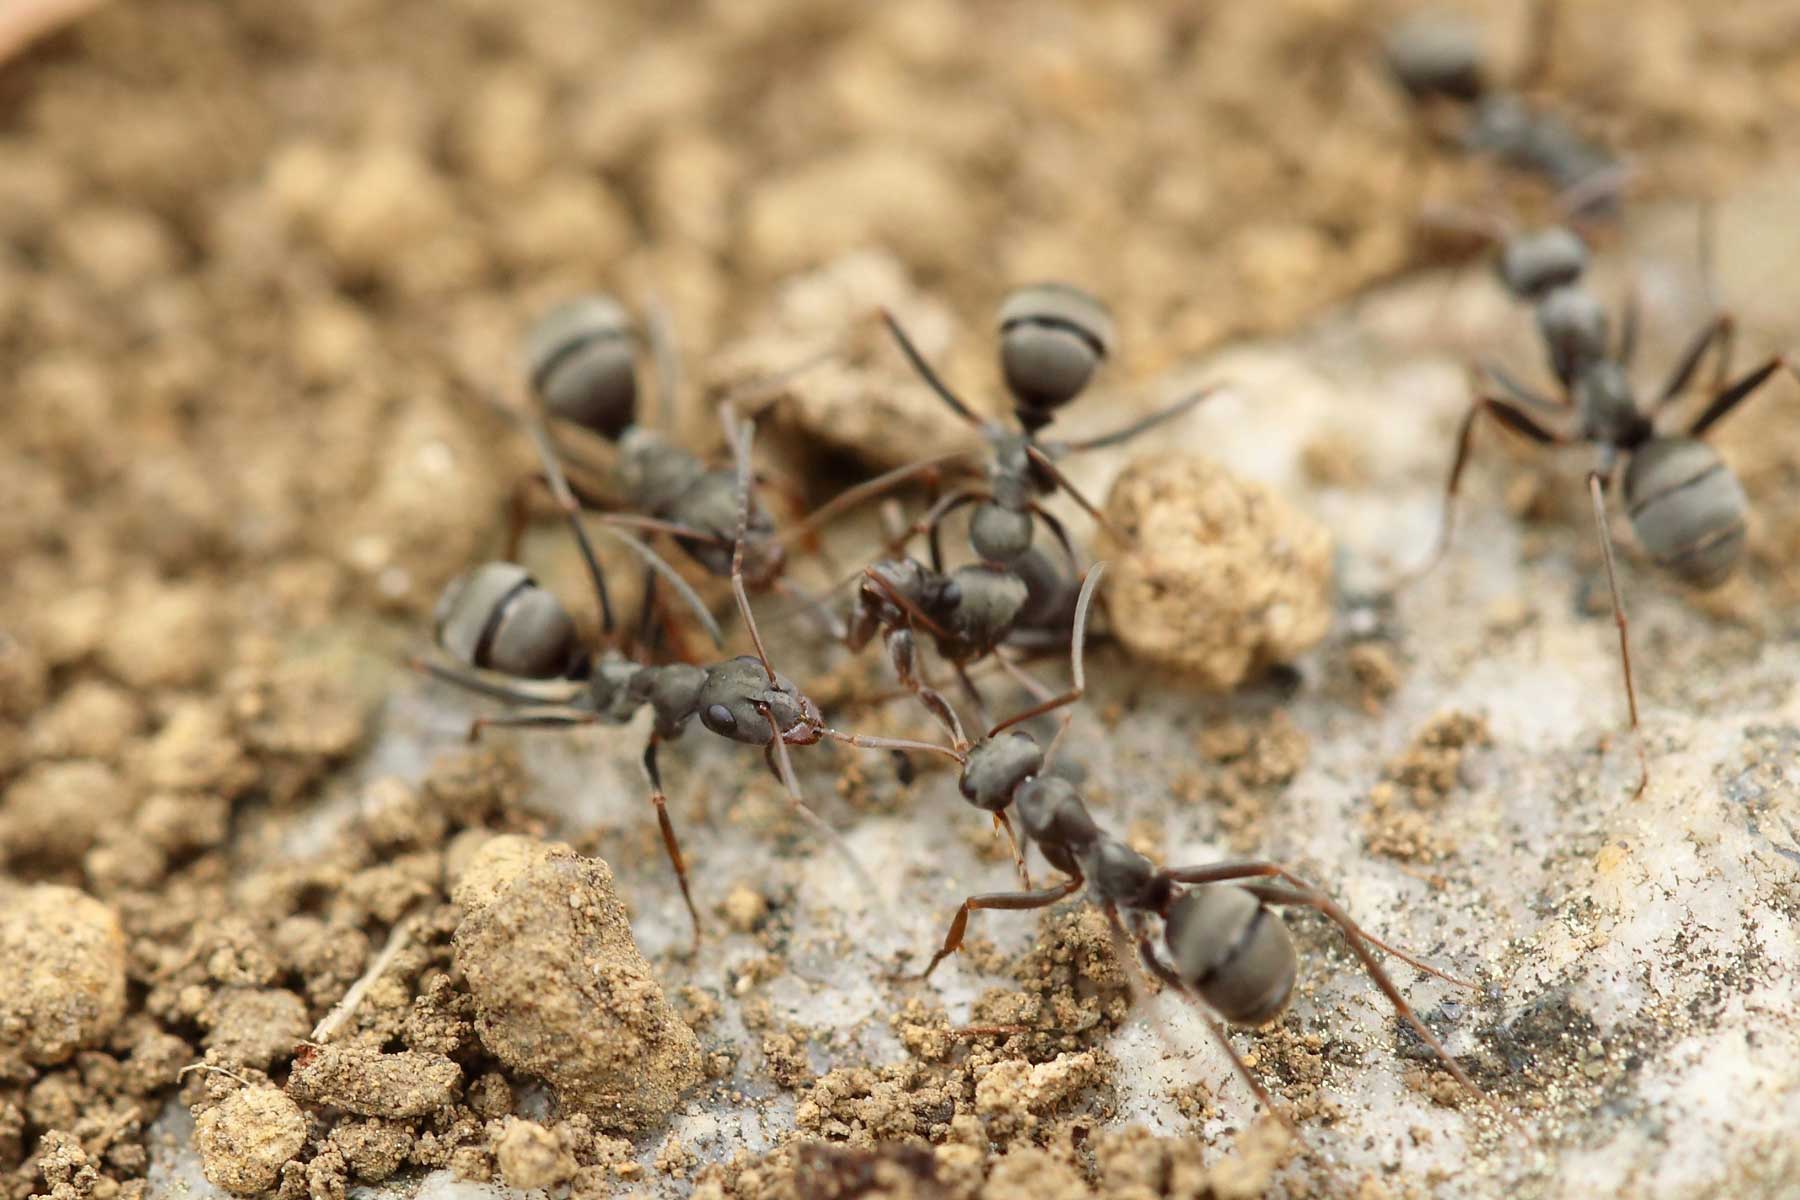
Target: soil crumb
x=1219, y=578
x=1398, y=822
x=560, y=991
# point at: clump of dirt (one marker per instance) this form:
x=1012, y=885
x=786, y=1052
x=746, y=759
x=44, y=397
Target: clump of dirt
x=1398, y=822
x=1218, y=578
x=559, y=989
x=62, y=955
x=245, y=1141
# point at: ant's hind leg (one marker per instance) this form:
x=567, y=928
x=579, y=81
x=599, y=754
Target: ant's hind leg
x=1596, y=486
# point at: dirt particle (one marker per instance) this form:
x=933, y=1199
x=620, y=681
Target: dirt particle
x=560, y=990
x=253, y=1027
x=245, y=1141
x=369, y=1083
x=529, y=1156
x=55, y=812
x=744, y=908
x=1221, y=578
x=62, y=955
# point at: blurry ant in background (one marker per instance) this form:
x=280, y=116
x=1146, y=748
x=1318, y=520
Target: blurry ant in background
x=581, y=368
x=1437, y=60
x=498, y=619
x=1686, y=507
x=1226, y=947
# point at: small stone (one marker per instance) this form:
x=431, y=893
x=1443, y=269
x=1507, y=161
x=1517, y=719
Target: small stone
x=245, y=1141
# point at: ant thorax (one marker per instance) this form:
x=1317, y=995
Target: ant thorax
x=1608, y=406
x=616, y=688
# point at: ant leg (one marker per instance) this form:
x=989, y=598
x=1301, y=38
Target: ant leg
x=536, y=718
x=1518, y=392
x=1125, y=434
x=559, y=488
x=1049, y=468
x=973, y=693
x=868, y=490
x=1003, y=824
x=1736, y=393
x=1306, y=895
x=1715, y=332
x=903, y=653
x=1355, y=937
x=1596, y=485
x=1147, y=956
x=932, y=523
x=1004, y=901
x=777, y=749
x=1228, y=872
x=670, y=843
x=1507, y=415
x=1628, y=325
x=553, y=692
x=650, y=629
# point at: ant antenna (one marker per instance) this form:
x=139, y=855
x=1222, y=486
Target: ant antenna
x=1077, y=644
x=930, y=376
x=740, y=435
x=672, y=577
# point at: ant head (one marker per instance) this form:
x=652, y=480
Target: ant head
x=982, y=602
x=581, y=360
x=1435, y=55
x=1532, y=264
x=1053, y=337
x=996, y=766
x=496, y=617
x=1232, y=950
x=736, y=695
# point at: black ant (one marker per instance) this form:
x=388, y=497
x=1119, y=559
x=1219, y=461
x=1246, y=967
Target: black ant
x=496, y=618
x=581, y=365
x=1225, y=945
x=1437, y=59
x=1685, y=505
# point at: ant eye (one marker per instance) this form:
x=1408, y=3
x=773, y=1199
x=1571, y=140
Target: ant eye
x=952, y=593
x=718, y=718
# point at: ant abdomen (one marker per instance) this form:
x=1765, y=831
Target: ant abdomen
x=496, y=617
x=1053, y=337
x=1687, y=509
x=1434, y=55
x=1234, y=952
x=581, y=360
